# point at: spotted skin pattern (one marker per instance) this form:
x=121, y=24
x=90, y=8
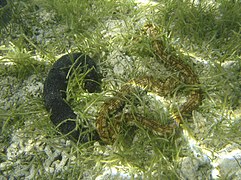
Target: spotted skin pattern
x=109, y=124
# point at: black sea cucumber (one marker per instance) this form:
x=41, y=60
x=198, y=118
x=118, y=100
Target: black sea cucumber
x=54, y=93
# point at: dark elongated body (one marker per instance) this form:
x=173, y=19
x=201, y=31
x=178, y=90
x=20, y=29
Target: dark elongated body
x=55, y=87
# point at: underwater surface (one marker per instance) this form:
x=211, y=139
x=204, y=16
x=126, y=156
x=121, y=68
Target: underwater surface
x=182, y=122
